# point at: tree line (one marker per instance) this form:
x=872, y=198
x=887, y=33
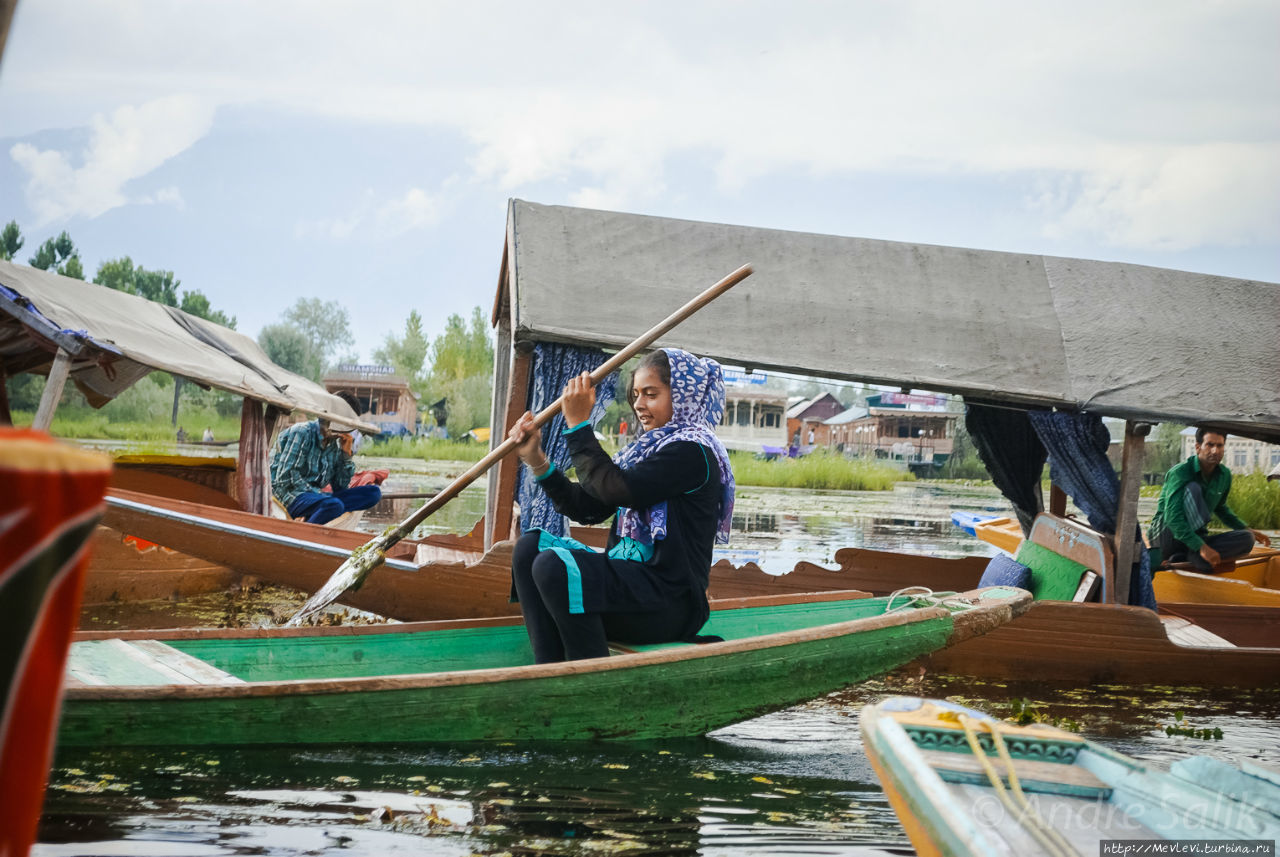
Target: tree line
x=309, y=339
x=456, y=367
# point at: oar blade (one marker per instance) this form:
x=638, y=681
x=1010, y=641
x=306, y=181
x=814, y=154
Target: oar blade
x=349, y=575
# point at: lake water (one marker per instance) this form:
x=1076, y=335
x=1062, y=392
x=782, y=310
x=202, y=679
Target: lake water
x=795, y=782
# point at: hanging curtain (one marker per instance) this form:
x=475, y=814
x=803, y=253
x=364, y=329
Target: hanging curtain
x=1013, y=455
x=253, y=472
x=1077, y=445
x=553, y=365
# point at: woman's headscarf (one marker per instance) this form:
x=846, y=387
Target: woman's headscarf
x=697, y=405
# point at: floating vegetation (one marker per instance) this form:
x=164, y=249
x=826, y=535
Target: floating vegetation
x=1023, y=712
x=1180, y=726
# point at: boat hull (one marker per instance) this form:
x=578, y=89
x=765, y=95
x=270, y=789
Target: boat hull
x=665, y=692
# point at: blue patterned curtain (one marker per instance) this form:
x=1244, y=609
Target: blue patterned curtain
x=553, y=365
x=1077, y=445
x=1012, y=454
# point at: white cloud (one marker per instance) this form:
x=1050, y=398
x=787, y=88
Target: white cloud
x=164, y=196
x=1124, y=98
x=126, y=146
x=1172, y=198
x=376, y=220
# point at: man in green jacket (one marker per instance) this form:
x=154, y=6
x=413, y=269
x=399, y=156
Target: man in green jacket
x=1195, y=491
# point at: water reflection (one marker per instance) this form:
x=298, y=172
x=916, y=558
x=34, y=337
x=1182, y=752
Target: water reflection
x=672, y=798
x=791, y=782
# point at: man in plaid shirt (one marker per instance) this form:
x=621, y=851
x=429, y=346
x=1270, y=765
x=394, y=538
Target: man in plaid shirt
x=308, y=458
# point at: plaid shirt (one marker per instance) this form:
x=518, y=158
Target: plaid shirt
x=301, y=461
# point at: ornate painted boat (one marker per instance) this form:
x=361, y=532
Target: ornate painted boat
x=1251, y=580
x=474, y=680
x=48, y=510
x=964, y=783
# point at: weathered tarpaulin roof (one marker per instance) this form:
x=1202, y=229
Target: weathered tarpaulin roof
x=1027, y=330
x=116, y=338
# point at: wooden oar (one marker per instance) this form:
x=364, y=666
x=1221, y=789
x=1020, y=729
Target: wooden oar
x=364, y=559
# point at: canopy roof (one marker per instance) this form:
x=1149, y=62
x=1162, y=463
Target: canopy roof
x=116, y=338
x=1019, y=329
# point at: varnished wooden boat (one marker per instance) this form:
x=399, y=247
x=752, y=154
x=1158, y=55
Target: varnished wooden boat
x=964, y=783
x=1252, y=580
x=453, y=577
x=474, y=680
x=449, y=577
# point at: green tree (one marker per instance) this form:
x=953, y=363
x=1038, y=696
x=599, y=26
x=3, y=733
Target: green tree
x=408, y=353
x=290, y=349
x=11, y=241
x=1163, y=448
x=325, y=324
x=159, y=286
x=195, y=303
x=117, y=274
x=462, y=372
x=60, y=255
x=121, y=275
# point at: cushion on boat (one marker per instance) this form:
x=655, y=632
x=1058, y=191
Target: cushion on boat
x=1004, y=570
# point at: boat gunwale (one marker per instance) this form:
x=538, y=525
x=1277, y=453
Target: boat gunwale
x=961, y=628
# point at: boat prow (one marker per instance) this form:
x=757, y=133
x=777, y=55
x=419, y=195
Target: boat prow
x=964, y=783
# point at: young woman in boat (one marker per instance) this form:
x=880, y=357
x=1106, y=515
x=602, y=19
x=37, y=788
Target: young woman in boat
x=671, y=495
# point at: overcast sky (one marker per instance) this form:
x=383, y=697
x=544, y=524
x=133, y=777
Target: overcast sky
x=364, y=152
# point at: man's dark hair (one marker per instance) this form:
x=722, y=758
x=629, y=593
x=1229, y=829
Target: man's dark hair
x=1201, y=431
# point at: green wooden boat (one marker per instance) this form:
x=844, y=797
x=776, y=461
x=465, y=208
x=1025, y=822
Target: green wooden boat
x=474, y=680
x=1038, y=790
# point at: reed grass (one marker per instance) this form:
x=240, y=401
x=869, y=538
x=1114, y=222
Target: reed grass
x=429, y=448
x=1256, y=500
x=819, y=470
x=80, y=426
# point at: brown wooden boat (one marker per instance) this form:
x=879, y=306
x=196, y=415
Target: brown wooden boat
x=452, y=577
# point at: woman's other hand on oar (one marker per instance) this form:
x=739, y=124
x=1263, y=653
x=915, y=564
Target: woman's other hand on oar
x=528, y=440
x=578, y=400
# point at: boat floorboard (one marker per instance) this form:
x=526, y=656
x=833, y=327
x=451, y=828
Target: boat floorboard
x=1186, y=633
x=1085, y=822
x=138, y=662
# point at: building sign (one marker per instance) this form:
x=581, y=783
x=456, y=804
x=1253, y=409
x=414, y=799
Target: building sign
x=911, y=399
x=738, y=378
x=363, y=369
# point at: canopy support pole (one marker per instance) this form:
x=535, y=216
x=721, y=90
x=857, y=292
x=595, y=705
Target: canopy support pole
x=6, y=418
x=52, y=390
x=1127, y=515
x=502, y=484
x=1057, y=500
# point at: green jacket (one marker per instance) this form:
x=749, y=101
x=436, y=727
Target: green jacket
x=1171, y=514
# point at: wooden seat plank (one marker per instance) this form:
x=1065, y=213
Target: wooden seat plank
x=1033, y=775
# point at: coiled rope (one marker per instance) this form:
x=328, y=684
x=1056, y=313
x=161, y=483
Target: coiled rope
x=915, y=594
x=1019, y=807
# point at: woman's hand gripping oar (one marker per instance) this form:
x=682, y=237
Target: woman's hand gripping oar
x=365, y=559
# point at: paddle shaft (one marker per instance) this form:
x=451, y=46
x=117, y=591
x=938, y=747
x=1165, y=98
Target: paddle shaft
x=508, y=446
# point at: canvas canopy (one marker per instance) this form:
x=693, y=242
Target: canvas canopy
x=1106, y=337
x=116, y=338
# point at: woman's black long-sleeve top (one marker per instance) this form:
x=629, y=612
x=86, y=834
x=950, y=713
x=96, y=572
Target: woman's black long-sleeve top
x=684, y=473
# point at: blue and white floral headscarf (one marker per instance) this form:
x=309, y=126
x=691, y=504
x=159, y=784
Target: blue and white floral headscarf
x=697, y=405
